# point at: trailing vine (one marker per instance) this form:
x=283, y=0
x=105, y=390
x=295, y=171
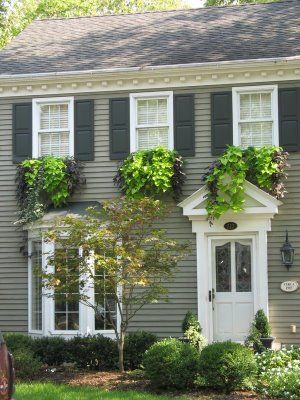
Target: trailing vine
x=264, y=167
x=43, y=182
x=151, y=173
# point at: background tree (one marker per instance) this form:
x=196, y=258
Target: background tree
x=121, y=244
x=233, y=2
x=20, y=13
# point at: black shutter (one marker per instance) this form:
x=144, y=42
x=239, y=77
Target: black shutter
x=221, y=122
x=22, y=132
x=119, y=128
x=84, y=130
x=289, y=119
x=184, y=124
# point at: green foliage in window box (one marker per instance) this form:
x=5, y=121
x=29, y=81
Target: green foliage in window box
x=227, y=366
x=43, y=182
x=264, y=167
x=151, y=173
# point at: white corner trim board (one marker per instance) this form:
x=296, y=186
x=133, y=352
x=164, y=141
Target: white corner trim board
x=232, y=73
x=262, y=208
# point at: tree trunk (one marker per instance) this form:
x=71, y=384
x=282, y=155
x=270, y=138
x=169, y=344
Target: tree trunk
x=121, y=351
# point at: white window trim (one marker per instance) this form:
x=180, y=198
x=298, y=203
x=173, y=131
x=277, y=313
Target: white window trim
x=35, y=122
x=147, y=95
x=236, y=91
x=86, y=314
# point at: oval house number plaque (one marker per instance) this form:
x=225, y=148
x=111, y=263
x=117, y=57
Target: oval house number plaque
x=289, y=286
x=230, y=226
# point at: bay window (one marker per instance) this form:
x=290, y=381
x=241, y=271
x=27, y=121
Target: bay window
x=59, y=311
x=151, y=120
x=255, y=116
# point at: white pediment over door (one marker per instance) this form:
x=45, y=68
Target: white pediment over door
x=256, y=202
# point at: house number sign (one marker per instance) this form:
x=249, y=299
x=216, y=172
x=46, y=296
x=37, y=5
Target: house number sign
x=289, y=286
x=230, y=226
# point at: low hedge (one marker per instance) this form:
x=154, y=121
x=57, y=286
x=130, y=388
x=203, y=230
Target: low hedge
x=97, y=352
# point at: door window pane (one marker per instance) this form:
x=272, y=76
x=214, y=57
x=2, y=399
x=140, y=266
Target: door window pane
x=223, y=268
x=243, y=267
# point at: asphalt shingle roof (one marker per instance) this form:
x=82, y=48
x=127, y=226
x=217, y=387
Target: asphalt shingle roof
x=154, y=39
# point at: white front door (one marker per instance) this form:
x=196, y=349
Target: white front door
x=232, y=288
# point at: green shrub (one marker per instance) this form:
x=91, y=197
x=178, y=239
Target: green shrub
x=93, y=352
x=191, y=329
x=191, y=321
x=17, y=341
x=26, y=365
x=260, y=328
x=279, y=373
x=227, y=365
x=51, y=350
x=171, y=364
x=136, y=344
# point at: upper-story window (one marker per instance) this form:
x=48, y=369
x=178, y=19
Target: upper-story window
x=151, y=120
x=53, y=127
x=255, y=116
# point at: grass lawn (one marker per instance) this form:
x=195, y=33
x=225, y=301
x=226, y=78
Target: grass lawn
x=48, y=391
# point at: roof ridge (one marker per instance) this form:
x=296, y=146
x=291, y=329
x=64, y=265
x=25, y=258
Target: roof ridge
x=232, y=6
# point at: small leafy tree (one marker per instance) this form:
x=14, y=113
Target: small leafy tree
x=121, y=243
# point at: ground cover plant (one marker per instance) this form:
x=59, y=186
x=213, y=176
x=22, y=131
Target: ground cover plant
x=279, y=373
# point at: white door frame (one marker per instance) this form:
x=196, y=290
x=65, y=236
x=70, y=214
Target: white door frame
x=254, y=221
x=254, y=229
x=254, y=267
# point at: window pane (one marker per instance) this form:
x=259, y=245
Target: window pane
x=54, y=116
x=223, y=268
x=55, y=144
x=105, y=303
x=147, y=138
x=256, y=134
x=255, y=106
x=243, y=267
x=152, y=111
x=36, y=287
x=67, y=304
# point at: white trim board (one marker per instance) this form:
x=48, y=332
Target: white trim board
x=253, y=223
x=152, y=78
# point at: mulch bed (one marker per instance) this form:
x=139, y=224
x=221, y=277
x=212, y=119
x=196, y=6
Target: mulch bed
x=115, y=381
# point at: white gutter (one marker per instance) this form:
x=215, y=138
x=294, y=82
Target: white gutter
x=206, y=65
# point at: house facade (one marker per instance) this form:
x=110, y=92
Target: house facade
x=98, y=88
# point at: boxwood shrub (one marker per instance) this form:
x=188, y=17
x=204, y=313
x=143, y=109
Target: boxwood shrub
x=227, y=365
x=171, y=364
x=136, y=344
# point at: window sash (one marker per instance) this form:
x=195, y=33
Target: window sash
x=135, y=126
x=238, y=121
x=69, y=126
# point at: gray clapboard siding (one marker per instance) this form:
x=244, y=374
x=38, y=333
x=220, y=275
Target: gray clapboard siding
x=163, y=318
